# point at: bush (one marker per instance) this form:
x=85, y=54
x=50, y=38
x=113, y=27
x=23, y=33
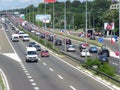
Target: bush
x=107, y=69
x=91, y=62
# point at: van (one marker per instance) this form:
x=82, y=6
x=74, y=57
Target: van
x=15, y=37
x=25, y=37
x=31, y=54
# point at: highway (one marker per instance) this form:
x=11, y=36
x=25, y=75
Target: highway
x=50, y=73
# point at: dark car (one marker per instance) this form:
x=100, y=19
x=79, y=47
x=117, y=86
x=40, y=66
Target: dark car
x=93, y=49
x=42, y=35
x=83, y=46
x=58, y=42
x=104, y=52
x=32, y=44
x=103, y=58
x=38, y=48
x=13, y=28
x=44, y=53
x=50, y=38
x=68, y=42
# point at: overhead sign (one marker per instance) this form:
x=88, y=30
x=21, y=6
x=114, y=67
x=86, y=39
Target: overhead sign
x=100, y=40
x=22, y=16
x=45, y=18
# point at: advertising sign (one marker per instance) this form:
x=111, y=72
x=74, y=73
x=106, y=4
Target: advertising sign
x=109, y=26
x=22, y=16
x=45, y=18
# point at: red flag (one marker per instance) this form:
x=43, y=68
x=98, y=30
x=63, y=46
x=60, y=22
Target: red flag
x=113, y=40
x=49, y=1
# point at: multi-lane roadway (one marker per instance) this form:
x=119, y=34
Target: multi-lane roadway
x=51, y=73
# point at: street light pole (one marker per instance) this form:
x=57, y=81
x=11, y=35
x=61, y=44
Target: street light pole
x=86, y=30
x=119, y=36
x=53, y=25
x=65, y=24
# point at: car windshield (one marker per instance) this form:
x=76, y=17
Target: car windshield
x=32, y=53
x=26, y=36
x=72, y=46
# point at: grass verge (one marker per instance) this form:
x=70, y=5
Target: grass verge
x=1, y=83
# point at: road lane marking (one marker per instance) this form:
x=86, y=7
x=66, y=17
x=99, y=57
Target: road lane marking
x=34, y=84
x=26, y=71
x=114, y=63
x=31, y=80
x=51, y=69
x=44, y=64
x=72, y=88
x=29, y=76
x=36, y=88
x=60, y=76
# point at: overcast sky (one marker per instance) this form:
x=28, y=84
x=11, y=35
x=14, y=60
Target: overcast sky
x=13, y=4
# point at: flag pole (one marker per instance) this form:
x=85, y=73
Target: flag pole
x=45, y=25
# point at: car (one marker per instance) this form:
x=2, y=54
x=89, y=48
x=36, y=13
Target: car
x=103, y=58
x=13, y=28
x=93, y=49
x=42, y=35
x=38, y=47
x=44, y=53
x=83, y=46
x=85, y=53
x=21, y=33
x=68, y=41
x=92, y=37
x=32, y=44
x=58, y=42
x=104, y=52
x=71, y=48
x=50, y=38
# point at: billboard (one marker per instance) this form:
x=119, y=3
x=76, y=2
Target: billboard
x=109, y=26
x=22, y=16
x=44, y=18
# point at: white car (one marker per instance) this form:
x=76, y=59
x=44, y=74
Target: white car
x=85, y=53
x=71, y=48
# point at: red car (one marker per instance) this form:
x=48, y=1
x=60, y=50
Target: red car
x=44, y=53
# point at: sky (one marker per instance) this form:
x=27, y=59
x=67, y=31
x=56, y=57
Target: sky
x=14, y=4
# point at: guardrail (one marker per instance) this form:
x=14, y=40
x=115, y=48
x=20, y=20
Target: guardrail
x=97, y=71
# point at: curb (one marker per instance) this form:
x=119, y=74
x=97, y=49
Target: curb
x=5, y=82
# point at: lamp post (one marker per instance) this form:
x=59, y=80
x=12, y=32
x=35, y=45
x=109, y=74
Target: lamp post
x=86, y=29
x=65, y=24
x=119, y=36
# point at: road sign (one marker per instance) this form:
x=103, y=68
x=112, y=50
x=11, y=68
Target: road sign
x=100, y=40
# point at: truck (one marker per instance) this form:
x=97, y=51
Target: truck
x=31, y=54
x=15, y=37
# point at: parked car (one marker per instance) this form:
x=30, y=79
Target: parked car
x=42, y=35
x=83, y=46
x=32, y=44
x=93, y=49
x=84, y=53
x=103, y=58
x=38, y=48
x=58, y=42
x=44, y=53
x=71, y=48
x=104, y=52
x=68, y=41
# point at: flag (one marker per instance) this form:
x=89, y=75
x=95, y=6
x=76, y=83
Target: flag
x=49, y=1
x=113, y=40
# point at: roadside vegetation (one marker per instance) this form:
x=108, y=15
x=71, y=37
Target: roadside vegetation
x=1, y=83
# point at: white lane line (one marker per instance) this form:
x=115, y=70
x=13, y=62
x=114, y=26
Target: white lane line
x=72, y=88
x=36, y=88
x=34, y=84
x=60, y=76
x=31, y=80
x=44, y=64
x=39, y=59
x=23, y=67
x=51, y=69
x=26, y=71
x=29, y=76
